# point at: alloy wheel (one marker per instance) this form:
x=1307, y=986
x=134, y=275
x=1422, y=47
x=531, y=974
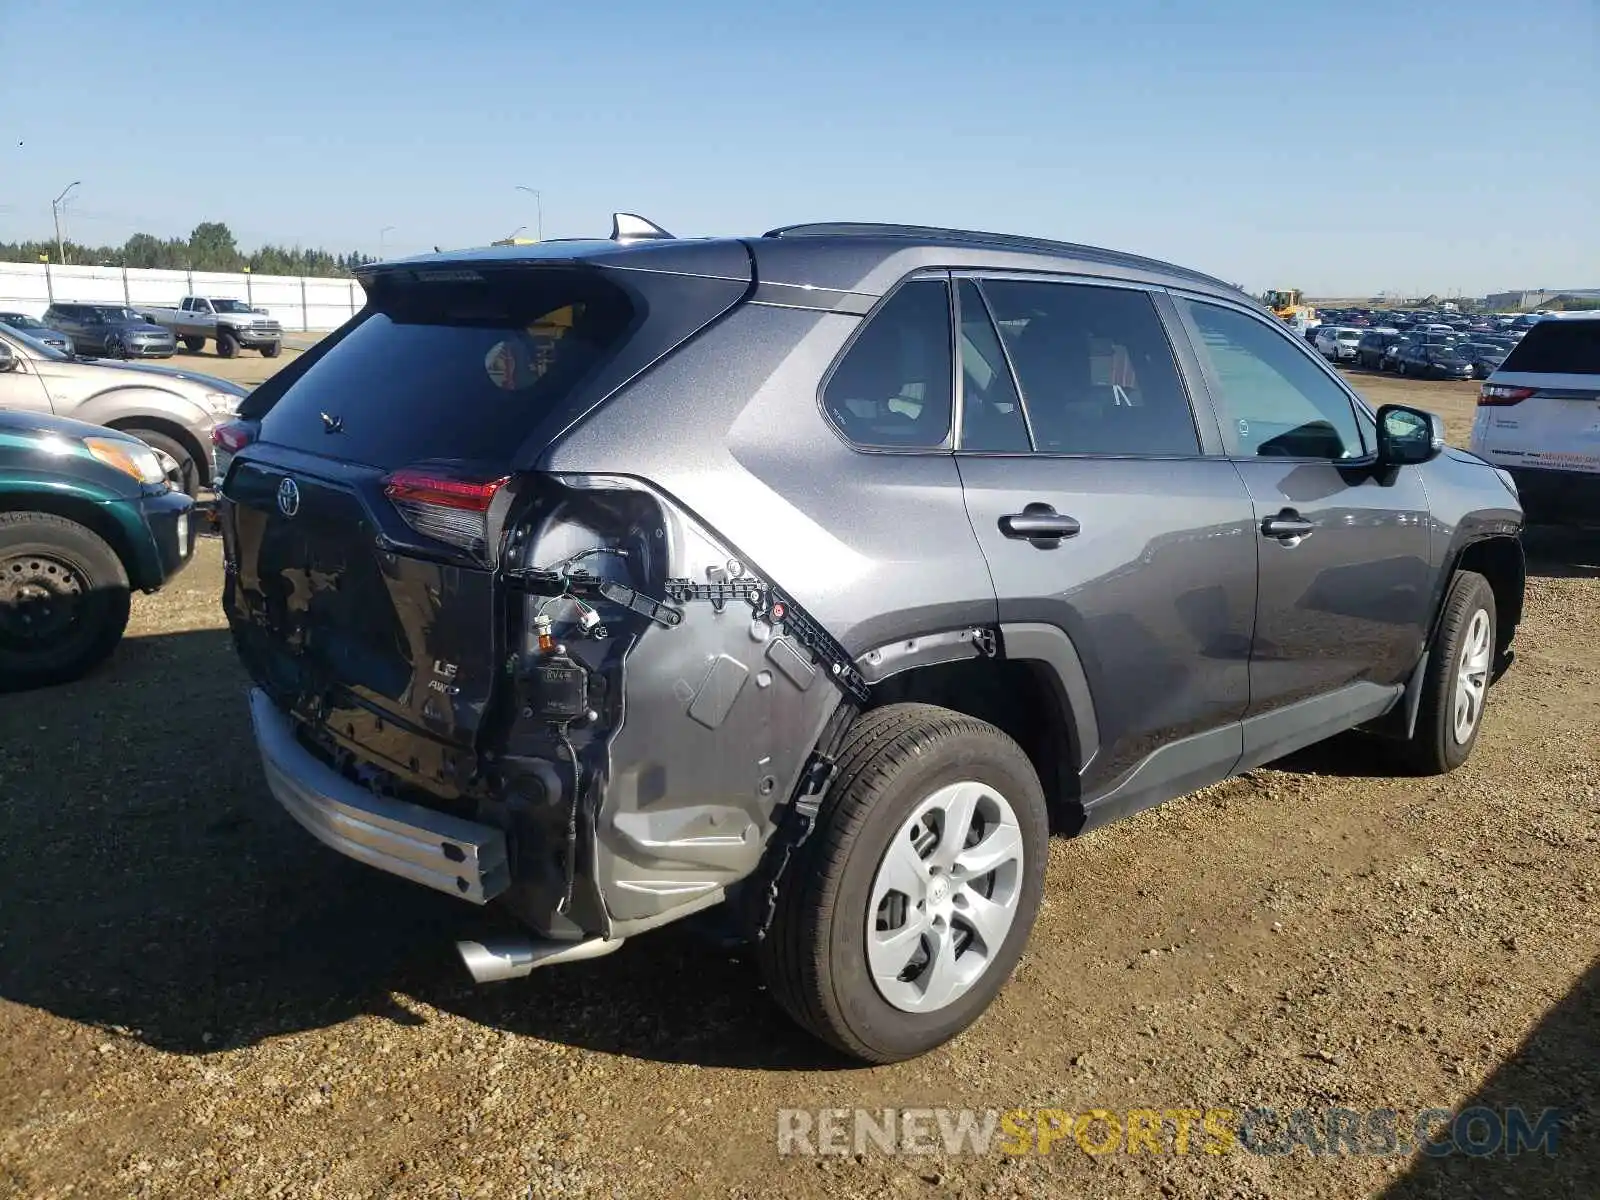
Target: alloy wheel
x=944, y=897
x=1472, y=676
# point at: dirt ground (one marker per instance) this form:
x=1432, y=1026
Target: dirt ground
x=196, y=999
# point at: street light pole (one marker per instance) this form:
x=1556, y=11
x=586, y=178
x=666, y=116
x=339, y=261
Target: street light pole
x=382, y=237
x=55, y=211
x=538, y=210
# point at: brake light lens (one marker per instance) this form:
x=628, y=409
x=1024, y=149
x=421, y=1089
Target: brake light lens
x=1498, y=395
x=233, y=436
x=445, y=507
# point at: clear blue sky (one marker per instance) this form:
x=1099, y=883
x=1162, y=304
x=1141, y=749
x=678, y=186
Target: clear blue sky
x=1344, y=146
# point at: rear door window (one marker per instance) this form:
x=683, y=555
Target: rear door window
x=1561, y=347
x=461, y=370
x=991, y=410
x=892, y=389
x=1095, y=367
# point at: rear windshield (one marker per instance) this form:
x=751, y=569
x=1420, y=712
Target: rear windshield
x=1560, y=347
x=459, y=370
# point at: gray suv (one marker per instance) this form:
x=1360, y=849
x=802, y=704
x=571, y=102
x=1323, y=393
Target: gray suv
x=809, y=576
x=111, y=330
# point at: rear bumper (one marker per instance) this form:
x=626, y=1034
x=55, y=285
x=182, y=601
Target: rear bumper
x=1558, y=497
x=446, y=853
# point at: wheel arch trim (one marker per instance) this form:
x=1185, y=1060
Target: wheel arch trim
x=1023, y=641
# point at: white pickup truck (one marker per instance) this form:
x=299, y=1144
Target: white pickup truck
x=232, y=324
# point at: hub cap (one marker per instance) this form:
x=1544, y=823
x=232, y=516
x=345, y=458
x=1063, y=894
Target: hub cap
x=40, y=598
x=944, y=897
x=1472, y=675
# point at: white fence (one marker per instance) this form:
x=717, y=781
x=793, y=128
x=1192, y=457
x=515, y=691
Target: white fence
x=298, y=303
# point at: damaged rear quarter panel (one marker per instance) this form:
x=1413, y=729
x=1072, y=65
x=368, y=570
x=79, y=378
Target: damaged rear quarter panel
x=719, y=722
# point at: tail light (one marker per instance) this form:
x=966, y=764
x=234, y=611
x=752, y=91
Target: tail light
x=445, y=507
x=233, y=436
x=227, y=440
x=1498, y=395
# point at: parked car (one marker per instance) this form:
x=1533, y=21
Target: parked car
x=1337, y=343
x=232, y=324
x=37, y=330
x=1539, y=418
x=172, y=411
x=1484, y=357
x=863, y=646
x=105, y=329
x=86, y=518
x=1373, y=346
x=1433, y=360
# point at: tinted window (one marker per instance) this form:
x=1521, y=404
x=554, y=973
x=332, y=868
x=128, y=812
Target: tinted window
x=991, y=412
x=1097, y=373
x=892, y=388
x=1563, y=347
x=1273, y=400
x=453, y=370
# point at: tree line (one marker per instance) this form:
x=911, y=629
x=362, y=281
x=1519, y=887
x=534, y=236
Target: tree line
x=211, y=247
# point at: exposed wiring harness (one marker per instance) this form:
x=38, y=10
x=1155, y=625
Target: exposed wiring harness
x=572, y=819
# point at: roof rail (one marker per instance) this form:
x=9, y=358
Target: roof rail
x=1005, y=241
x=630, y=227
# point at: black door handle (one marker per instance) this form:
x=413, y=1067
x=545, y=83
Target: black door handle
x=1287, y=524
x=1039, y=524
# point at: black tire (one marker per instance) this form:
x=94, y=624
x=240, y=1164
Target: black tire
x=272, y=350
x=814, y=956
x=114, y=347
x=227, y=344
x=63, y=600
x=194, y=345
x=188, y=469
x=1401, y=370
x=1436, y=747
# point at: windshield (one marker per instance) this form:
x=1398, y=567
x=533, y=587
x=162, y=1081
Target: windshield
x=21, y=321
x=231, y=306
x=34, y=346
x=1349, y=335
x=118, y=314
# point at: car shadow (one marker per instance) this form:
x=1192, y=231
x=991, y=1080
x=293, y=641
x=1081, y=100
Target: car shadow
x=1353, y=755
x=1556, y=1067
x=1557, y=552
x=150, y=885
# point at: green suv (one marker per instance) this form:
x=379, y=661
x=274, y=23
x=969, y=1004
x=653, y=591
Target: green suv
x=86, y=517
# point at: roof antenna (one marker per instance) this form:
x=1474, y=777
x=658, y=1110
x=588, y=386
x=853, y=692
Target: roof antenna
x=631, y=227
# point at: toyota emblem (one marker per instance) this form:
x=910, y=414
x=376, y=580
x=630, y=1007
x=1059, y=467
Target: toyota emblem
x=288, y=497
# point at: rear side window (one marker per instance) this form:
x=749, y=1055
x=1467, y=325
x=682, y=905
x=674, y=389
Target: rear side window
x=1560, y=347
x=892, y=389
x=461, y=370
x=1096, y=370
x=991, y=410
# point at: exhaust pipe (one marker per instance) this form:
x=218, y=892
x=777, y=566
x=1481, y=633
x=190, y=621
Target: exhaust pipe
x=514, y=957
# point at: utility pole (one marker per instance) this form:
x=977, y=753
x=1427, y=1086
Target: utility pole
x=55, y=211
x=382, y=236
x=538, y=210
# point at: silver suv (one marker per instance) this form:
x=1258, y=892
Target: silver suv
x=172, y=411
x=806, y=575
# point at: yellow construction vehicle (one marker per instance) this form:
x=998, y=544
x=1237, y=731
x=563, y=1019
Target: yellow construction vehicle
x=1287, y=304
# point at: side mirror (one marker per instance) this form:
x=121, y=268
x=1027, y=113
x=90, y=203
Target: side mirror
x=1408, y=435
x=8, y=358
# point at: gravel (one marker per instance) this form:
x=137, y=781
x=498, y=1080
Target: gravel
x=196, y=999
